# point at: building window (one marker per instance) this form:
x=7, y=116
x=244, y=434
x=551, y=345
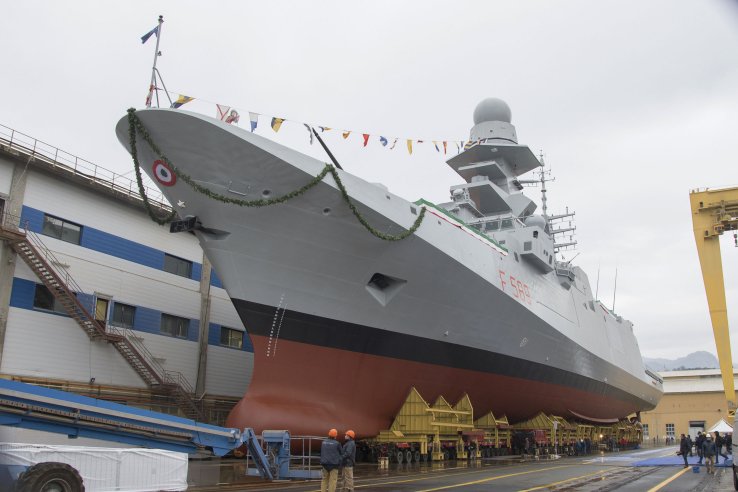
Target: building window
x=174, y=326
x=61, y=229
x=645, y=431
x=44, y=299
x=231, y=338
x=670, y=430
x=123, y=315
x=177, y=266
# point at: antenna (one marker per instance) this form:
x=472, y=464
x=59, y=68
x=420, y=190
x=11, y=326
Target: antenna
x=566, y=233
x=615, y=290
x=545, y=176
x=597, y=291
x=153, y=89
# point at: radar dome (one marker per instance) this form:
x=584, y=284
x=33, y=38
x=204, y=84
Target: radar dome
x=535, y=220
x=492, y=109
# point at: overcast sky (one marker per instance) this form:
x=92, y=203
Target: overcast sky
x=633, y=104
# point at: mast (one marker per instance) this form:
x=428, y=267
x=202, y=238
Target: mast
x=543, y=188
x=615, y=290
x=152, y=86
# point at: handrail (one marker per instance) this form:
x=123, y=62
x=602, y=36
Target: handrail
x=67, y=162
x=13, y=222
x=135, y=341
x=165, y=376
x=53, y=261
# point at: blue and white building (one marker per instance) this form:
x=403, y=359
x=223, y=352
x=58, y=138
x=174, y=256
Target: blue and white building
x=127, y=270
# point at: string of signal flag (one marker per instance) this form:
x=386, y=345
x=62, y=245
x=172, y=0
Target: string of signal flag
x=230, y=115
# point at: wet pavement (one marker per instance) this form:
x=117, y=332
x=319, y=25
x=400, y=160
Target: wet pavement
x=612, y=471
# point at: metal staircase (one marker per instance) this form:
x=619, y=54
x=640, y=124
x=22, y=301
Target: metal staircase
x=63, y=287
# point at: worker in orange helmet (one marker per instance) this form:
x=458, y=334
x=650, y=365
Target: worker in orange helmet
x=349, y=458
x=330, y=461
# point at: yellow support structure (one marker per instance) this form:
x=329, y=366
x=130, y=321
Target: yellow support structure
x=541, y=422
x=423, y=424
x=715, y=211
x=413, y=417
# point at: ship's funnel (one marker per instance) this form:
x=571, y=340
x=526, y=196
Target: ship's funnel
x=492, y=119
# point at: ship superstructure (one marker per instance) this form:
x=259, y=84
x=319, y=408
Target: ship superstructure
x=344, y=323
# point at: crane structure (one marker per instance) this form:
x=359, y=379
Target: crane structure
x=714, y=212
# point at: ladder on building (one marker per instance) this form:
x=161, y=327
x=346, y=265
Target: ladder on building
x=62, y=286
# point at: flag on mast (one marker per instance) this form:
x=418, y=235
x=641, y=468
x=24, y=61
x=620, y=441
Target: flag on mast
x=145, y=37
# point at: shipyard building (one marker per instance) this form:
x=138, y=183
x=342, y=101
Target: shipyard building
x=694, y=401
x=97, y=299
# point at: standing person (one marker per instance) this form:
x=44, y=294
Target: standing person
x=698, y=444
x=729, y=443
x=708, y=452
x=330, y=461
x=690, y=444
x=349, y=459
x=719, y=441
x=684, y=449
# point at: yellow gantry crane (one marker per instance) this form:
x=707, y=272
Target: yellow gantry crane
x=714, y=212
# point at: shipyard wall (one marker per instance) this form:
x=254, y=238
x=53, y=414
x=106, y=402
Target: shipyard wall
x=130, y=271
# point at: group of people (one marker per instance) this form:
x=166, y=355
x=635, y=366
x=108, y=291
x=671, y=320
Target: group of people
x=334, y=456
x=708, y=449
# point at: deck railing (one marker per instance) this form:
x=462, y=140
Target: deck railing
x=63, y=161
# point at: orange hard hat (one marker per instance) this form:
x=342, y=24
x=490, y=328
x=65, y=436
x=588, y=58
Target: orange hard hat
x=332, y=433
x=351, y=434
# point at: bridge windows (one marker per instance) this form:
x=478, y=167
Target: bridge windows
x=493, y=226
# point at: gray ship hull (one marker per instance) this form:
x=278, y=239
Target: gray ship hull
x=336, y=347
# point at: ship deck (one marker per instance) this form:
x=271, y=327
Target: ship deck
x=645, y=469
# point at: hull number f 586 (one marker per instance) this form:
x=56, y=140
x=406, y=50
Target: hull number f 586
x=520, y=289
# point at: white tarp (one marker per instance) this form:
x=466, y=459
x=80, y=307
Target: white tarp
x=721, y=426
x=108, y=469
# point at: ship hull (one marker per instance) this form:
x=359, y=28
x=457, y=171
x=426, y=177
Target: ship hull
x=333, y=349
x=360, y=381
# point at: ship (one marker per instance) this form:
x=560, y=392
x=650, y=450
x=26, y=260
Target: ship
x=352, y=295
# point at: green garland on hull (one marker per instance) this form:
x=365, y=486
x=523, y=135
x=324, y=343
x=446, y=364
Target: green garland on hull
x=135, y=126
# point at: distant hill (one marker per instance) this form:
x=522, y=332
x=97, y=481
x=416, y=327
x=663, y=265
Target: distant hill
x=695, y=360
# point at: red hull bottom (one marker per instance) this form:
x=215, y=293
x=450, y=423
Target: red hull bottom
x=308, y=389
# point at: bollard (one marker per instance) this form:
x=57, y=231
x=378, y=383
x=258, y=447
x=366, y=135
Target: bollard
x=383, y=462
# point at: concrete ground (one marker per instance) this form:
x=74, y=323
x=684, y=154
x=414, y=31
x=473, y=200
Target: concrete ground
x=626, y=471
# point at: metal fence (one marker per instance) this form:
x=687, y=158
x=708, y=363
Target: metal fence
x=66, y=162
